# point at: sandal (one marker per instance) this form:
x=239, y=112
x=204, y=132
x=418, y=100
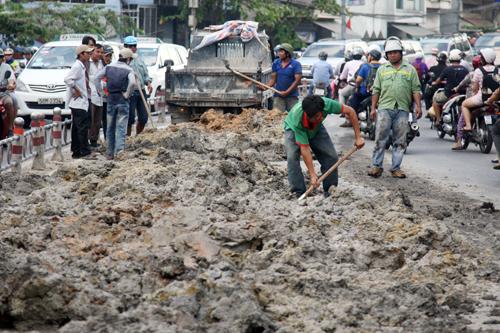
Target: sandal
x=494, y=161
x=457, y=147
x=497, y=167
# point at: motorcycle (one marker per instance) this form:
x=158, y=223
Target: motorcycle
x=366, y=124
x=450, y=116
x=413, y=131
x=482, y=128
x=320, y=89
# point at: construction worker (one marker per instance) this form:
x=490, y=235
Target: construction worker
x=304, y=132
x=396, y=87
x=136, y=102
x=285, y=77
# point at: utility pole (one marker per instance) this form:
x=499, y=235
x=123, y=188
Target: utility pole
x=343, y=21
x=193, y=5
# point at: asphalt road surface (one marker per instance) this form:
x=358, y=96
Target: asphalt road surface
x=429, y=157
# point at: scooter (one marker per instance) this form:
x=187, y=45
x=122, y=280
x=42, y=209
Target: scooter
x=482, y=128
x=450, y=116
x=413, y=131
x=366, y=124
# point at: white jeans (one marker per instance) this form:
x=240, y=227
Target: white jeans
x=345, y=93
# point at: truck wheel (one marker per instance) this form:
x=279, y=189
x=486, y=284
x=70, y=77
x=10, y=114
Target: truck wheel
x=179, y=115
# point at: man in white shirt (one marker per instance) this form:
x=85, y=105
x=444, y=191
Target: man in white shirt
x=347, y=75
x=78, y=94
x=96, y=101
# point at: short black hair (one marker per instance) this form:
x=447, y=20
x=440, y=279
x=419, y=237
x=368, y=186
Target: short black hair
x=87, y=39
x=98, y=46
x=312, y=105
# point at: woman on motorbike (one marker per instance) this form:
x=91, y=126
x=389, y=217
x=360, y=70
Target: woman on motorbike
x=488, y=57
x=465, y=84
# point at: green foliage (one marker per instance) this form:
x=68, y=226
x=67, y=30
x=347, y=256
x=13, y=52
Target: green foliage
x=22, y=25
x=279, y=19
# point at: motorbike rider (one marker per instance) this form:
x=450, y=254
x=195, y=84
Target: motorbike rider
x=347, y=75
x=496, y=128
x=435, y=72
x=422, y=69
x=483, y=85
x=464, y=62
x=432, y=60
x=365, y=79
x=321, y=72
x=9, y=60
x=465, y=85
x=452, y=75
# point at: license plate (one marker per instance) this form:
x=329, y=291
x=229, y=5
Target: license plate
x=319, y=92
x=488, y=120
x=50, y=100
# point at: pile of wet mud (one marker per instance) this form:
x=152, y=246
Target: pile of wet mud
x=193, y=230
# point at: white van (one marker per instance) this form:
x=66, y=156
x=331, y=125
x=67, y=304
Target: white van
x=40, y=86
x=154, y=53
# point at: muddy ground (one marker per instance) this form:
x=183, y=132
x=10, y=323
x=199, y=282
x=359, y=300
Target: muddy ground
x=193, y=230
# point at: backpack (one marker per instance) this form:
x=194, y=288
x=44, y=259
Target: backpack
x=370, y=79
x=491, y=82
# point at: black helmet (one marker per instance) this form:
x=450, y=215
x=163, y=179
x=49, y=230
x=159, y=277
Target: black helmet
x=323, y=55
x=357, y=53
x=107, y=49
x=442, y=56
x=375, y=54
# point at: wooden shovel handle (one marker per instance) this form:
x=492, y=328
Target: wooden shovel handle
x=326, y=174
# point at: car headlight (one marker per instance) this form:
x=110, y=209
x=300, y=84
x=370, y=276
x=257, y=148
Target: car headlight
x=20, y=86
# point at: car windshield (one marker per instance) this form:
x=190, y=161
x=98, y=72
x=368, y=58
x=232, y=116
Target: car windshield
x=428, y=46
x=148, y=55
x=53, y=57
x=334, y=51
x=488, y=41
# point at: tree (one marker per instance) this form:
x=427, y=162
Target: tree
x=279, y=19
x=23, y=23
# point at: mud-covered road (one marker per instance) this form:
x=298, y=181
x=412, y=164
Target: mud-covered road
x=193, y=230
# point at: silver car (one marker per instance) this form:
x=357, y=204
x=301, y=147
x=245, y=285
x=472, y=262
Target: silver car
x=336, y=49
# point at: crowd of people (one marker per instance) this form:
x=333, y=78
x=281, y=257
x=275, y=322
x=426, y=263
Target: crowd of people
x=106, y=94
x=396, y=89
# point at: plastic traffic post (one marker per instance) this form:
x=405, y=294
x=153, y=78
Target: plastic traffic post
x=17, y=146
x=38, y=141
x=56, y=135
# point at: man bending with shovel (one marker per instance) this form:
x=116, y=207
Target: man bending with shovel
x=304, y=132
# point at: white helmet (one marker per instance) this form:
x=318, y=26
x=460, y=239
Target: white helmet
x=393, y=44
x=488, y=55
x=455, y=55
x=374, y=47
x=419, y=55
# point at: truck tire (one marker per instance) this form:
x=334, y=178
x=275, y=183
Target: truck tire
x=179, y=115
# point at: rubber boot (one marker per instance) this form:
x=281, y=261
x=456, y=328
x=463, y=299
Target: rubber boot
x=139, y=128
x=129, y=130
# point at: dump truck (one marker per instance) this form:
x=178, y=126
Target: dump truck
x=207, y=83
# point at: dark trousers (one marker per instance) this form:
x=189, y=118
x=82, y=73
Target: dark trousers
x=322, y=146
x=104, y=118
x=355, y=101
x=79, y=132
x=95, y=122
x=496, y=135
x=136, y=107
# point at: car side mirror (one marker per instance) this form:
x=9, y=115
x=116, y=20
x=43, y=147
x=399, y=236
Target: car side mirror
x=168, y=63
x=22, y=65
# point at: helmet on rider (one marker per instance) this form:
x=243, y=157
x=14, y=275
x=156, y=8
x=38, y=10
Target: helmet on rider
x=323, y=55
x=434, y=51
x=393, y=44
x=348, y=55
x=374, y=47
x=8, y=51
x=130, y=40
x=442, y=57
x=455, y=55
x=476, y=61
x=488, y=55
x=357, y=53
x=287, y=48
x=419, y=55
x=375, y=54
